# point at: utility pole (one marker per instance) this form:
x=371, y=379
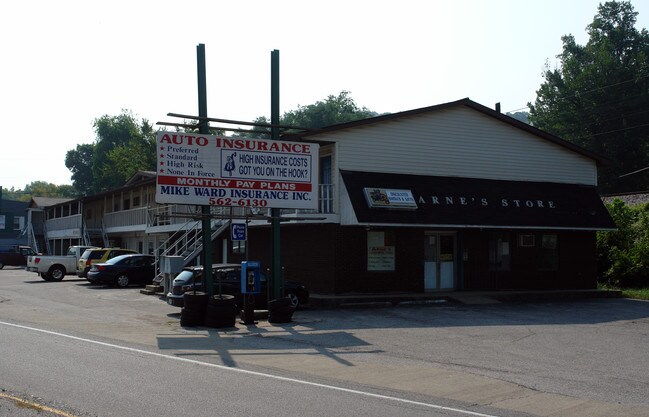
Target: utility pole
x=276, y=267
x=205, y=210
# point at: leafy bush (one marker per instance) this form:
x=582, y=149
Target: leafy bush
x=623, y=255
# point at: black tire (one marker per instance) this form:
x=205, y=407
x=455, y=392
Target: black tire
x=122, y=281
x=279, y=302
x=56, y=272
x=45, y=276
x=195, y=300
x=279, y=317
x=222, y=300
x=283, y=310
x=217, y=311
x=295, y=300
x=191, y=318
x=2, y=265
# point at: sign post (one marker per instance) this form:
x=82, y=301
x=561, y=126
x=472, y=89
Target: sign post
x=205, y=209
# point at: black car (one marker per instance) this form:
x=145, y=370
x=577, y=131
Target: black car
x=229, y=276
x=124, y=270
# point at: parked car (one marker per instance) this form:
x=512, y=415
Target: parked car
x=124, y=270
x=55, y=267
x=98, y=255
x=15, y=255
x=191, y=278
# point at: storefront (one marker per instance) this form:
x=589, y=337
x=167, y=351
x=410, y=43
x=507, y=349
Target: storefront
x=454, y=197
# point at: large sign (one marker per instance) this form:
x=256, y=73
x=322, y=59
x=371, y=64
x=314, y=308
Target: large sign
x=227, y=171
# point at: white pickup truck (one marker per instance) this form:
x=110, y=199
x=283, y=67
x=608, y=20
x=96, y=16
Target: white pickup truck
x=54, y=268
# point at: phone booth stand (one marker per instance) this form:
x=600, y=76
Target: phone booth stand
x=250, y=285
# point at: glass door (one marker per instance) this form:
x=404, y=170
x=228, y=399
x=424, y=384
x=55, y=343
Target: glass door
x=439, y=261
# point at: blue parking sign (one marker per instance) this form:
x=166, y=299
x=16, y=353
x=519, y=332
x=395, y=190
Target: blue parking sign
x=238, y=231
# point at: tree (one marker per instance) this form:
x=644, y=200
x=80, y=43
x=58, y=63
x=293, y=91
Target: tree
x=79, y=162
x=123, y=146
x=622, y=254
x=330, y=111
x=599, y=96
x=40, y=189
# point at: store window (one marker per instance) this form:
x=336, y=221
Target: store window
x=549, y=253
x=381, y=250
x=499, y=253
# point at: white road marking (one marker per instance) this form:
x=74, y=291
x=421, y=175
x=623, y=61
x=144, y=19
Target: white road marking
x=260, y=374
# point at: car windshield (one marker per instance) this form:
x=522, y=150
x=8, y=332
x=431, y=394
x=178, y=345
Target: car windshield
x=185, y=276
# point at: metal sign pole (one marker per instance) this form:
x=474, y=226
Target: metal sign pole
x=205, y=210
x=276, y=266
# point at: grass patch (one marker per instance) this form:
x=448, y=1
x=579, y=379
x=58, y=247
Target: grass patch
x=635, y=293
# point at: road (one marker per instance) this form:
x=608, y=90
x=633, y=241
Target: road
x=96, y=351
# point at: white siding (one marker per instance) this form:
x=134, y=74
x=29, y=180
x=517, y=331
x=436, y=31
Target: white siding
x=458, y=142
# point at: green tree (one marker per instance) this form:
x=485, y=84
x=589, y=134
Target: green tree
x=122, y=147
x=622, y=254
x=79, y=162
x=330, y=111
x=599, y=95
x=40, y=189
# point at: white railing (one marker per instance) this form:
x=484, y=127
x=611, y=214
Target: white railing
x=64, y=223
x=132, y=217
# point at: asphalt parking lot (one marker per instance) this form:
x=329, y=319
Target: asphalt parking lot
x=567, y=357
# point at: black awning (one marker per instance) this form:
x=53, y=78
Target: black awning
x=469, y=202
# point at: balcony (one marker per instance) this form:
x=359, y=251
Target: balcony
x=64, y=227
x=126, y=220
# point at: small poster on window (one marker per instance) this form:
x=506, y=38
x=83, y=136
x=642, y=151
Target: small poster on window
x=380, y=258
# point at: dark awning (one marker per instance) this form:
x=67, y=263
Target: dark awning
x=469, y=202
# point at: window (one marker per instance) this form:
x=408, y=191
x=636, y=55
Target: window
x=127, y=204
x=239, y=247
x=549, y=256
x=499, y=254
x=19, y=222
x=526, y=241
x=136, y=201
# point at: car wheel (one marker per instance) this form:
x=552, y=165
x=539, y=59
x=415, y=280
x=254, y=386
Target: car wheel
x=121, y=280
x=45, y=276
x=56, y=273
x=2, y=265
x=295, y=300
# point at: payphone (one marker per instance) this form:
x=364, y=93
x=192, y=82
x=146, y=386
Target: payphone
x=250, y=285
x=250, y=278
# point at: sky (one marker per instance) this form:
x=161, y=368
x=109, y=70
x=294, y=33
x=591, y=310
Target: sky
x=66, y=63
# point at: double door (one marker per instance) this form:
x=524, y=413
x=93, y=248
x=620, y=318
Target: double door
x=439, y=261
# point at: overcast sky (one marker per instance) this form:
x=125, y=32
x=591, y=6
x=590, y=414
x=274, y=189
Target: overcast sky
x=66, y=63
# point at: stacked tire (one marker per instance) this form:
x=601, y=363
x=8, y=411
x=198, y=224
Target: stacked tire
x=221, y=311
x=280, y=310
x=193, y=313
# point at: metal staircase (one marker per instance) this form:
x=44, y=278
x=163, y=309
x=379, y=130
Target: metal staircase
x=187, y=241
x=91, y=236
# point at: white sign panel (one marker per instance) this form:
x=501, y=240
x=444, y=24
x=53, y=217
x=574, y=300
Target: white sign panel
x=227, y=171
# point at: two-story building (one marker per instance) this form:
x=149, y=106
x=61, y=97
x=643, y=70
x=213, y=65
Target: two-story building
x=12, y=222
